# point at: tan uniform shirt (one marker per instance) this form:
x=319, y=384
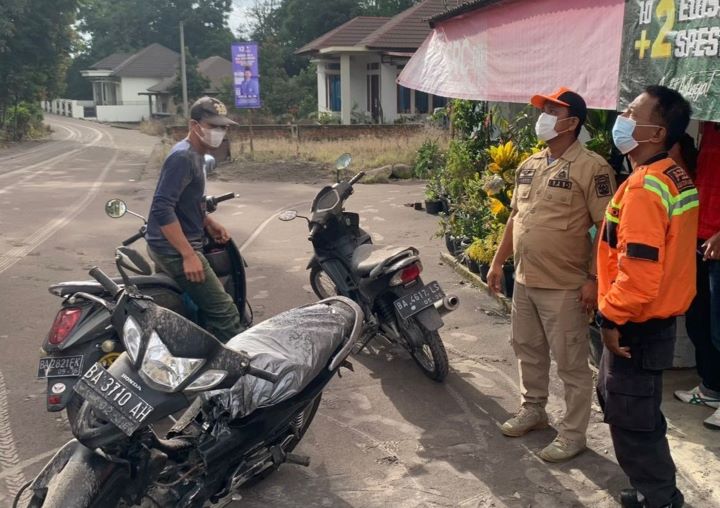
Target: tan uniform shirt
x=557, y=203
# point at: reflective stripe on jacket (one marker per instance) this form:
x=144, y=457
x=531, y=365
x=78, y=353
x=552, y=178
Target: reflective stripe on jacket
x=646, y=259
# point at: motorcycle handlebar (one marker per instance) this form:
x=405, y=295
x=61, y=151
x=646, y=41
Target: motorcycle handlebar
x=105, y=281
x=134, y=238
x=357, y=177
x=263, y=374
x=224, y=197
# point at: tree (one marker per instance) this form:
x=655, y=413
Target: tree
x=196, y=82
x=385, y=7
x=36, y=39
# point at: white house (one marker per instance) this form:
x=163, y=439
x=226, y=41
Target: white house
x=358, y=64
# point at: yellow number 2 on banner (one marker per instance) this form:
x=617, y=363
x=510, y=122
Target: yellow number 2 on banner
x=660, y=48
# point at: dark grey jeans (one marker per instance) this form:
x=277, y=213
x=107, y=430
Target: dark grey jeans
x=219, y=315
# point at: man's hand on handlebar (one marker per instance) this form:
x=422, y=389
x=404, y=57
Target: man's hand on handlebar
x=216, y=231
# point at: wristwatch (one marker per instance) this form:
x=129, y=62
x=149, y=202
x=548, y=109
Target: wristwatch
x=604, y=322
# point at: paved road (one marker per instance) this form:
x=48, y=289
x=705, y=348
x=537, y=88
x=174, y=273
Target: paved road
x=384, y=436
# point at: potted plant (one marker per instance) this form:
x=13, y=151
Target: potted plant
x=433, y=204
x=480, y=257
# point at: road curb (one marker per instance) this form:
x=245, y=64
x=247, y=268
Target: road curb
x=475, y=280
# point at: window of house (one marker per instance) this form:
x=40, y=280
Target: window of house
x=439, y=102
x=333, y=92
x=422, y=102
x=403, y=99
x=332, y=66
x=373, y=66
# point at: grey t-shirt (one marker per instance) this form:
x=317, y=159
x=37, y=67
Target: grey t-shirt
x=178, y=197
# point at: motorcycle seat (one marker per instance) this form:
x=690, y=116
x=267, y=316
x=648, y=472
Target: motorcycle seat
x=93, y=287
x=296, y=345
x=368, y=256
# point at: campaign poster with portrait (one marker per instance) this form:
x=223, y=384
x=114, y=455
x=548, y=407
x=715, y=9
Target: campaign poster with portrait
x=246, y=78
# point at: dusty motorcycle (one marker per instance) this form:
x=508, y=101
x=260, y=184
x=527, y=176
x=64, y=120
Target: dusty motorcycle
x=246, y=404
x=81, y=333
x=384, y=281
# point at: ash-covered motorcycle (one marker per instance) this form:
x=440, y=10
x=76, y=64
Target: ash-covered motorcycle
x=81, y=333
x=247, y=404
x=384, y=281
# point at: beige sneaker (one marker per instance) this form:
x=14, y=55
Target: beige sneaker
x=530, y=417
x=561, y=450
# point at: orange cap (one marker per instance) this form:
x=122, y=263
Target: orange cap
x=564, y=97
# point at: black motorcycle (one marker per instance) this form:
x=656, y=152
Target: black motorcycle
x=384, y=281
x=247, y=404
x=81, y=333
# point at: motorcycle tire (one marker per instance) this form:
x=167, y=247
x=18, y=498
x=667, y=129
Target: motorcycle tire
x=321, y=283
x=431, y=356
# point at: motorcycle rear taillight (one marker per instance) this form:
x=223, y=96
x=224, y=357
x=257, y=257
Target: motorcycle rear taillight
x=64, y=323
x=407, y=274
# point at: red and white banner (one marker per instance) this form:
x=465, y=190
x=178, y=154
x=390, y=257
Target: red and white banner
x=512, y=50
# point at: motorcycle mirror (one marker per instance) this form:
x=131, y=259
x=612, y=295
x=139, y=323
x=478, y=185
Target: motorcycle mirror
x=343, y=161
x=288, y=215
x=133, y=261
x=115, y=208
x=210, y=164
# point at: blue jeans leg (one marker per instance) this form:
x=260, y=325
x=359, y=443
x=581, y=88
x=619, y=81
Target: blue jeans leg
x=714, y=272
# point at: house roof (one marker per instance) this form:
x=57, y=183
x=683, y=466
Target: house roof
x=216, y=69
x=154, y=61
x=110, y=62
x=349, y=33
x=406, y=30
x=463, y=8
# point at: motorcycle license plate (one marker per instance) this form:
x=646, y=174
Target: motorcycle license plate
x=411, y=304
x=113, y=399
x=60, y=366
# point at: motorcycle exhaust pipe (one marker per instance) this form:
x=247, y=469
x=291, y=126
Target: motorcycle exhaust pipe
x=447, y=304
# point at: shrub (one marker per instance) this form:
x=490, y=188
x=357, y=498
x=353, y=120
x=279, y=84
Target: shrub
x=429, y=160
x=23, y=121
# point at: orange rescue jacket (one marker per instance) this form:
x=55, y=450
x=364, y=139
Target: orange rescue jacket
x=646, y=256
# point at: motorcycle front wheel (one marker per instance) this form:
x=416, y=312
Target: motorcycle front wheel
x=321, y=283
x=430, y=355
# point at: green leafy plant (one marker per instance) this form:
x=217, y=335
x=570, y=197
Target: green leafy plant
x=429, y=160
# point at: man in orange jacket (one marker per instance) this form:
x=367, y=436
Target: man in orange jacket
x=646, y=277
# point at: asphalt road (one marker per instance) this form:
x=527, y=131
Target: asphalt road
x=384, y=435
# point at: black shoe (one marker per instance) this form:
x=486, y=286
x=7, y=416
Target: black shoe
x=631, y=498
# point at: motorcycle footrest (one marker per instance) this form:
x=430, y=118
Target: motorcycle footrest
x=300, y=460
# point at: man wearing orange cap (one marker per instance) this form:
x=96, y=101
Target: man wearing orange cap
x=560, y=193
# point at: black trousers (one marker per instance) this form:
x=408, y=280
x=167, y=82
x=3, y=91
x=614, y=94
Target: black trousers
x=630, y=393
x=697, y=323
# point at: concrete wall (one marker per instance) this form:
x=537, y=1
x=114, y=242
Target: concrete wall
x=125, y=113
x=66, y=107
x=130, y=87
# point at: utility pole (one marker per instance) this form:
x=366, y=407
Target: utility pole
x=183, y=74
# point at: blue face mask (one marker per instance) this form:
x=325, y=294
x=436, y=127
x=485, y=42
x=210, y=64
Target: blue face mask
x=622, y=134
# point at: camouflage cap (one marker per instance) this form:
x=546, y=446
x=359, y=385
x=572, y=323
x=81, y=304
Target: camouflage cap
x=210, y=110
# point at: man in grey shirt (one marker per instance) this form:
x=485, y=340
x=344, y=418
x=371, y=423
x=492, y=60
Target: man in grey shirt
x=178, y=220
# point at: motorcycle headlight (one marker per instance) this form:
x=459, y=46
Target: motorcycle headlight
x=165, y=370
x=206, y=380
x=132, y=336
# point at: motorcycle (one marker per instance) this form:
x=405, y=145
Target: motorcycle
x=384, y=281
x=81, y=333
x=246, y=404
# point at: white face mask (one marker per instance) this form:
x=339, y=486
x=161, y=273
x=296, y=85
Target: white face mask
x=212, y=137
x=545, y=127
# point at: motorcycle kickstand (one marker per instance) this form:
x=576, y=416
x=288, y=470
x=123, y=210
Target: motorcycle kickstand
x=279, y=456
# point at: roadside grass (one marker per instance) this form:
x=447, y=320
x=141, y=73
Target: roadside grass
x=368, y=152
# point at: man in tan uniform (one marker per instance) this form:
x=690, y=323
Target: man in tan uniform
x=559, y=194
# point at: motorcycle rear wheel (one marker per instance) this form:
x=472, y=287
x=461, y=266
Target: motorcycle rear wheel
x=430, y=356
x=321, y=283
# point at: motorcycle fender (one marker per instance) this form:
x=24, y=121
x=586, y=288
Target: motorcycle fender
x=82, y=472
x=61, y=387
x=314, y=261
x=430, y=319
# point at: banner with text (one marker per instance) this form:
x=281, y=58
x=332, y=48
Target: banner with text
x=245, y=74
x=675, y=43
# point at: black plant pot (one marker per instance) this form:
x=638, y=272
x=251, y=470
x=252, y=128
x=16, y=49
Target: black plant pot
x=508, y=280
x=433, y=207
x=484, y=269
x=472, y=265
x=452, y=244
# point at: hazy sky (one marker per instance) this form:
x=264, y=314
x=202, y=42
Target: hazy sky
x=237, y=14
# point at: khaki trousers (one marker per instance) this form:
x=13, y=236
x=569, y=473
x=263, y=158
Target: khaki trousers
x=552, y=320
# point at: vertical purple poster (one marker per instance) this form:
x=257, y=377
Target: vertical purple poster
x=245, y=74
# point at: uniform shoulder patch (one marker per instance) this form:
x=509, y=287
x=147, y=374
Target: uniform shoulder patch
x=680, y=178
x=603, y=186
